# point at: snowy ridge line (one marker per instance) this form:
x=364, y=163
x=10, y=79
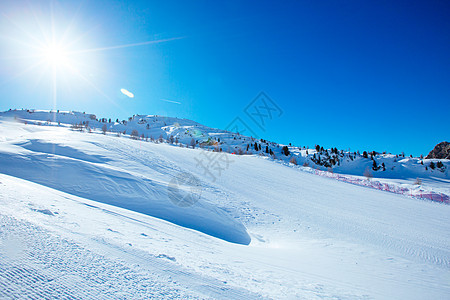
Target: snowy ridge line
x=67, y=117
x=419, y=193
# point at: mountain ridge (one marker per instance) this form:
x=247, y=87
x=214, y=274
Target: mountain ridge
x=189, y=133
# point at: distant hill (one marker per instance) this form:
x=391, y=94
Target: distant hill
x=440, y=151
x=188, y=133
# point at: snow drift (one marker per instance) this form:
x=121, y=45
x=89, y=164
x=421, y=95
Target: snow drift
x=40, y=157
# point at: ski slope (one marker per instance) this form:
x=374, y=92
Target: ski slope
x=89, y=215
x=401, y=170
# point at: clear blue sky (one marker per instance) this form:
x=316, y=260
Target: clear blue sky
x=347, y=74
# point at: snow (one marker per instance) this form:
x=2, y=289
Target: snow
x=135, y=179
x=87, y=215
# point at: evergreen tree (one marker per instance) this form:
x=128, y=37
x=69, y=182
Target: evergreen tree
x=432, y=165
x=374, y=166
x=285, y=150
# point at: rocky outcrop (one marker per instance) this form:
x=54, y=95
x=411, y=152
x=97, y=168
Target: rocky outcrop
x=440, y=151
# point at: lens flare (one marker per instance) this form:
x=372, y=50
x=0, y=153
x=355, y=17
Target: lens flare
x=127, y=93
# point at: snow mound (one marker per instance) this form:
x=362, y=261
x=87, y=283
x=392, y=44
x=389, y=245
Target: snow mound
x=54, y=159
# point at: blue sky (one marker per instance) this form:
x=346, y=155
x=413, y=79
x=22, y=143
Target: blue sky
x=346, y=74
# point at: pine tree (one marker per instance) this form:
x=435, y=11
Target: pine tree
x=374, y=166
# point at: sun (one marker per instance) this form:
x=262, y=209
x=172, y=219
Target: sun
x=56, y=55
x=59, y=54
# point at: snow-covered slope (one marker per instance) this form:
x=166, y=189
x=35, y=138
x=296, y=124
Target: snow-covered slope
x=396, y=168
x=93, y=215
x=111, y=170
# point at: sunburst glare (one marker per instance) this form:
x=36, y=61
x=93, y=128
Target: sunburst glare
x=49, y=47
x=56, y=55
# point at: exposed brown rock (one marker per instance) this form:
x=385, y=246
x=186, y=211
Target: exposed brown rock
x=440, y=151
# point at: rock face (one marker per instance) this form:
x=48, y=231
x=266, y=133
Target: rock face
x=441, y=151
